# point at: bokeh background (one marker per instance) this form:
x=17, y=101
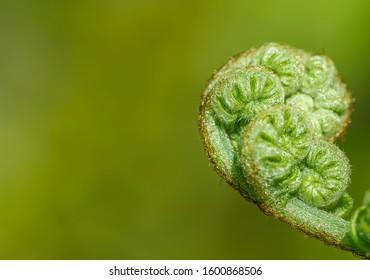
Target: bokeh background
x=100, y=154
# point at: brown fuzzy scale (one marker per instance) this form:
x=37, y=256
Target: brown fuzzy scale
x=316, y=234
x=214, y=77
x=347, y=120
x=210, y=152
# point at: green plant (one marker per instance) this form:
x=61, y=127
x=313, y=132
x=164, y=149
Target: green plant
x=269, y=118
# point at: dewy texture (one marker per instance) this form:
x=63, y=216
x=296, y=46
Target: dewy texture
x=269, y=118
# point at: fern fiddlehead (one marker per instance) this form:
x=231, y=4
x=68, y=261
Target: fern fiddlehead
x=269, y=118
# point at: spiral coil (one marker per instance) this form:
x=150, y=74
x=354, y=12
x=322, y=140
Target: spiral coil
x=269, y=118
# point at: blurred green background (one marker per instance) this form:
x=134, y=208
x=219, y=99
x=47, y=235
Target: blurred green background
x=100, y=153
